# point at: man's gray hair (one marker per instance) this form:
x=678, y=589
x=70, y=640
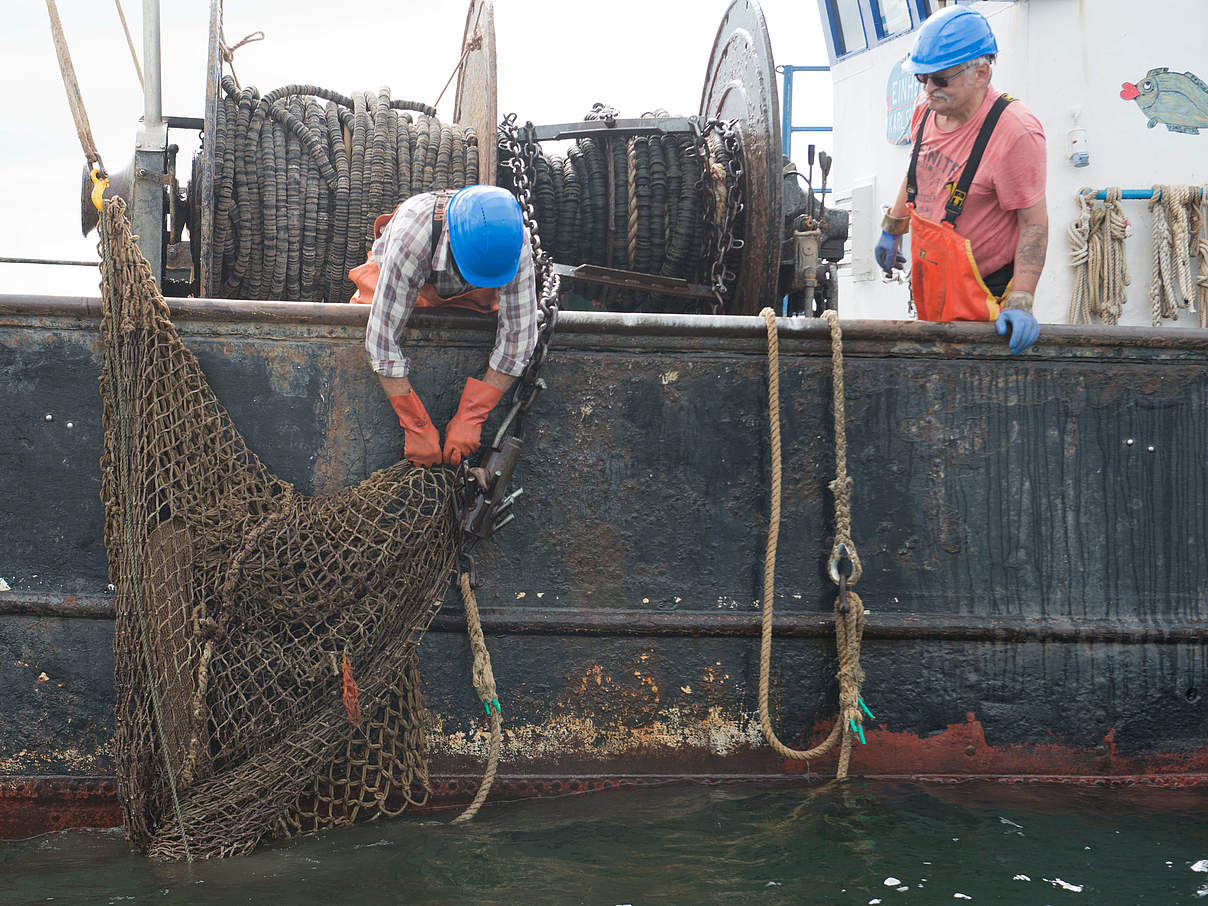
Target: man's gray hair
x=988, y=59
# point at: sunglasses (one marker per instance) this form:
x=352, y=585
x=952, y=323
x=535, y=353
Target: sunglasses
x=939, y=81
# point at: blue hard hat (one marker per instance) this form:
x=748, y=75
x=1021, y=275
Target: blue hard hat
x=954, y=34
x=486, y=234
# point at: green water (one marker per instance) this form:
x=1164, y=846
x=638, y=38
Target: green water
x=689, y=844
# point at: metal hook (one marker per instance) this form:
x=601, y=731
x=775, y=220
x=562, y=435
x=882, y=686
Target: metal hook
x=840, y=559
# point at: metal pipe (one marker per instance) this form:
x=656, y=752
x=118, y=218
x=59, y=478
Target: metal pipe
x=153, y=113
x=708, y=624
x=694, y=332
x=7, y=260
x=1128, y=193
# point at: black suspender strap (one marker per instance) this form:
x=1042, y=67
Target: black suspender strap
x=438, y=217
x=958, y=194
x=912, y=184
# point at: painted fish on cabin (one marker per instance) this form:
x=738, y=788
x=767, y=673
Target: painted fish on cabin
x=1177, y=99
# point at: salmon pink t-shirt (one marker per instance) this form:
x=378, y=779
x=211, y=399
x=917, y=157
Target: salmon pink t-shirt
x=1011, y=176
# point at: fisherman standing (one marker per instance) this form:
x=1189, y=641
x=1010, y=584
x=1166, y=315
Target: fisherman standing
x=978, y=158
x=459, y=250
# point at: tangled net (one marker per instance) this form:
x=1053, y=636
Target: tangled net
x=265, y=649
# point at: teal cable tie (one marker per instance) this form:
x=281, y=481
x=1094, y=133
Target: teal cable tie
x=858, y=730
x=498, y=710
x=487, y=705
x=864, y=708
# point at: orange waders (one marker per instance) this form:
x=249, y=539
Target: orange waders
x=365, y=276
x=945, y=283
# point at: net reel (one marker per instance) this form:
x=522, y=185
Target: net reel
x=765, y=223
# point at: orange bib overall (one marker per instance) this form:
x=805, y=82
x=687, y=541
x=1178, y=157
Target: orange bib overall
x=365, y=276
x=945, y=283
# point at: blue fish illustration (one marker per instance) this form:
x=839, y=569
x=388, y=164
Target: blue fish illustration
x=1179, y=100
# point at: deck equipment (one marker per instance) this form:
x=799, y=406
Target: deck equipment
x=655, y=213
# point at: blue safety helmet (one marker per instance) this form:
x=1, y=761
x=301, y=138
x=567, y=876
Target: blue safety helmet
x=954, y=34
x=486, y=234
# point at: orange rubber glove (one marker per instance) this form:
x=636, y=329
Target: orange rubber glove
x=421, y=444
x=464, y=434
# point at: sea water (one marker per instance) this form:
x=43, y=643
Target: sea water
x=860, y=843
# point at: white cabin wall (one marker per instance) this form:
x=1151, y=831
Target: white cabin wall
x=1058, y=57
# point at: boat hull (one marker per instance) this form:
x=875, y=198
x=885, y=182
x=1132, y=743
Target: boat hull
x=1031, y=531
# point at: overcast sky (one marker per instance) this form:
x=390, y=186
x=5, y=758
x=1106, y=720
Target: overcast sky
x=554, y=60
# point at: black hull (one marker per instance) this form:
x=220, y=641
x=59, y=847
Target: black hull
x=1032, y=533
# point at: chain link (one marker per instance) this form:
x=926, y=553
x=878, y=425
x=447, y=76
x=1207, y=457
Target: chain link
x=520, y=152
x=721, y=272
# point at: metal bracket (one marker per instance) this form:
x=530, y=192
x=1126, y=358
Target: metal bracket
x=647, y=125
x=654, y=283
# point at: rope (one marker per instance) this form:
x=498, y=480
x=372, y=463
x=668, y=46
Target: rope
x=74, y=100
x=848, y=610
x=1199, y=239
x=484, y=685
x=1078, y=235
x=1116, y=229
x=1177, y=199
x=1162, y=293
x=228, y=53
x=130, y=43
x=474, y=43
x=1098, y=258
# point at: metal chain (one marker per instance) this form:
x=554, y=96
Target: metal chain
x=520, y=152
x=484, y=501
x=721, y=273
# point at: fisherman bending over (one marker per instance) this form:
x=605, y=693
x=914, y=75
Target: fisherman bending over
x=979, y=156
x=462, y=250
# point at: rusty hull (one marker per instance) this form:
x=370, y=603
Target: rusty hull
x=1031, y=531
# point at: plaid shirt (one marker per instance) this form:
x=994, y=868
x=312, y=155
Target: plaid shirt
x=401, y=253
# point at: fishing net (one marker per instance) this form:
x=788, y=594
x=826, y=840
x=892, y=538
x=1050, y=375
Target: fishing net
x=266, y=680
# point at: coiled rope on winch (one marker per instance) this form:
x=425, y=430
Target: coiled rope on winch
x=298, y=184
x=848, y=609
x=651, y=204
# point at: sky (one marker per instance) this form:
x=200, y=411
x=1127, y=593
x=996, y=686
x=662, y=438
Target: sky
x=554, y=60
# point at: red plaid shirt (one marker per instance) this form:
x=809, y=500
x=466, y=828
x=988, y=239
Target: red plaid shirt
x=401, y=253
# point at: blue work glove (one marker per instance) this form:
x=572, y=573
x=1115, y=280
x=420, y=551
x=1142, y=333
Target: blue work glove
x=886, y=252
x=1019, y=327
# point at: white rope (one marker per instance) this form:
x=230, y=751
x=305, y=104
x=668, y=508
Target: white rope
x=1116, y=229
x=1098, y=258
x=1078, y=236
x=1177, y=199
x=1199, y=241
x=1162, y=293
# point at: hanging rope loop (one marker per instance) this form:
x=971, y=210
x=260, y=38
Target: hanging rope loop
x=228, y=52
x=843, y=567
x=484, y=685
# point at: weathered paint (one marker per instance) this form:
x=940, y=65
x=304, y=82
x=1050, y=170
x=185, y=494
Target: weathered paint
x=1023, y=561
